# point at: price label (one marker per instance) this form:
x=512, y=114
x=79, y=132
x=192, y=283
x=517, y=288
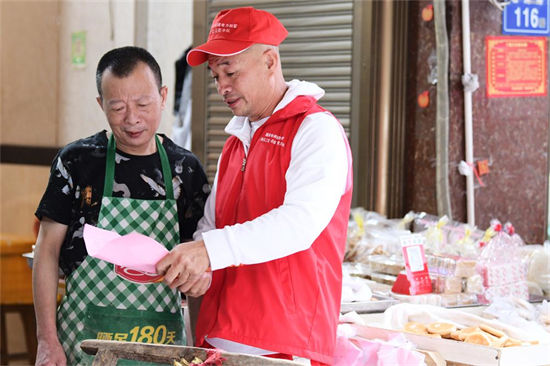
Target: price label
x=526, y=17
x=415, y=264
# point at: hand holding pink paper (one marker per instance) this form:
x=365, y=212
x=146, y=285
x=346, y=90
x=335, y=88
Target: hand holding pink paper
x=134, y=250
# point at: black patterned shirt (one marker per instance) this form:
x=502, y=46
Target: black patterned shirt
x=75, y=188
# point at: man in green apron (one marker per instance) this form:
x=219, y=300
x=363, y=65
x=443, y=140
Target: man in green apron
x=130, y=179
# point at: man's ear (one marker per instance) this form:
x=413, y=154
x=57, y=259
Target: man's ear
x=271, y=59
x=99, y=101
x=163, y=95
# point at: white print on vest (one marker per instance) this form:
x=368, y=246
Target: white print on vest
x=271, y=138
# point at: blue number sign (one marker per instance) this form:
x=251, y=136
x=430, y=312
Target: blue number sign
x=526, y=17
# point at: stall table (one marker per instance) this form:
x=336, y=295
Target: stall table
x=107, y=353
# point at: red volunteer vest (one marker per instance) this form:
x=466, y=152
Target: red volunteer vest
x=289, y=305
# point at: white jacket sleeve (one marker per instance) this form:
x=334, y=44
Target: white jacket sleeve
x=316, y=179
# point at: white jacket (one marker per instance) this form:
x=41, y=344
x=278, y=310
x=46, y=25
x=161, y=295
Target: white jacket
x=315, y=179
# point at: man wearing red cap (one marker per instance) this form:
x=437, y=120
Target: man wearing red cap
x=274, y=227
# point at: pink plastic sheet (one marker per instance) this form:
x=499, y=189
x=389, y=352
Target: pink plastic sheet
x=358, y=351
x=134, y=250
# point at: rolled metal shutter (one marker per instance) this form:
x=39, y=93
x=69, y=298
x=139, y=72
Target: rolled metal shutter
x=317, y=49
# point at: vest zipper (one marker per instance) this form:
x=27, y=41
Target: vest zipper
x=243, y=165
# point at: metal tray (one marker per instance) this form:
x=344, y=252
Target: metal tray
x=378, y=304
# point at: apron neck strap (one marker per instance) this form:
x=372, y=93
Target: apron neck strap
x=110, y=168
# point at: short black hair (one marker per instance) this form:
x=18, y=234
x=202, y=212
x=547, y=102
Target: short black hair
x=122, y=61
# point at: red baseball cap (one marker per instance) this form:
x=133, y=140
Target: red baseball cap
x=235, y=30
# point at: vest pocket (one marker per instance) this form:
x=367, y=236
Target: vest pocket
x=287, y=285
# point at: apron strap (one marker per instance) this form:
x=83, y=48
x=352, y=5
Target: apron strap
x=166, y=171
x=110, y=168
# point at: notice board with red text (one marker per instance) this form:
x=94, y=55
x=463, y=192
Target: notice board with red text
x=516, y=66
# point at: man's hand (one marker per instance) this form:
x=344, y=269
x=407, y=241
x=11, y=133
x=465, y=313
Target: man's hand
x=50, y=354
x=185, y=266
x=197, y=285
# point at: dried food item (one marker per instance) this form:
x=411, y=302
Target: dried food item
x=453, y=285
x=441, y=328
x=495, y=332
x=213, y=358
x=461, y=334
x=465, y=268
x=483, y=334
x=415, y=327
x=386, y=264
x=499, y=342
x=469, y=330
x=512, y=342
x=183, y=362
x=457, y=335
x=478, y=338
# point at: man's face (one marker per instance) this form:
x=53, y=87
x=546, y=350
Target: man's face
x=242, y=81
x=133, y=106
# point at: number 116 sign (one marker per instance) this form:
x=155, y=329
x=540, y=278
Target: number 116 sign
x=526, y=17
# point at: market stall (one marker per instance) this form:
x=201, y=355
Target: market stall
x=465, y=295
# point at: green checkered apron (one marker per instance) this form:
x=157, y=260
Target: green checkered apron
x=104, y=301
